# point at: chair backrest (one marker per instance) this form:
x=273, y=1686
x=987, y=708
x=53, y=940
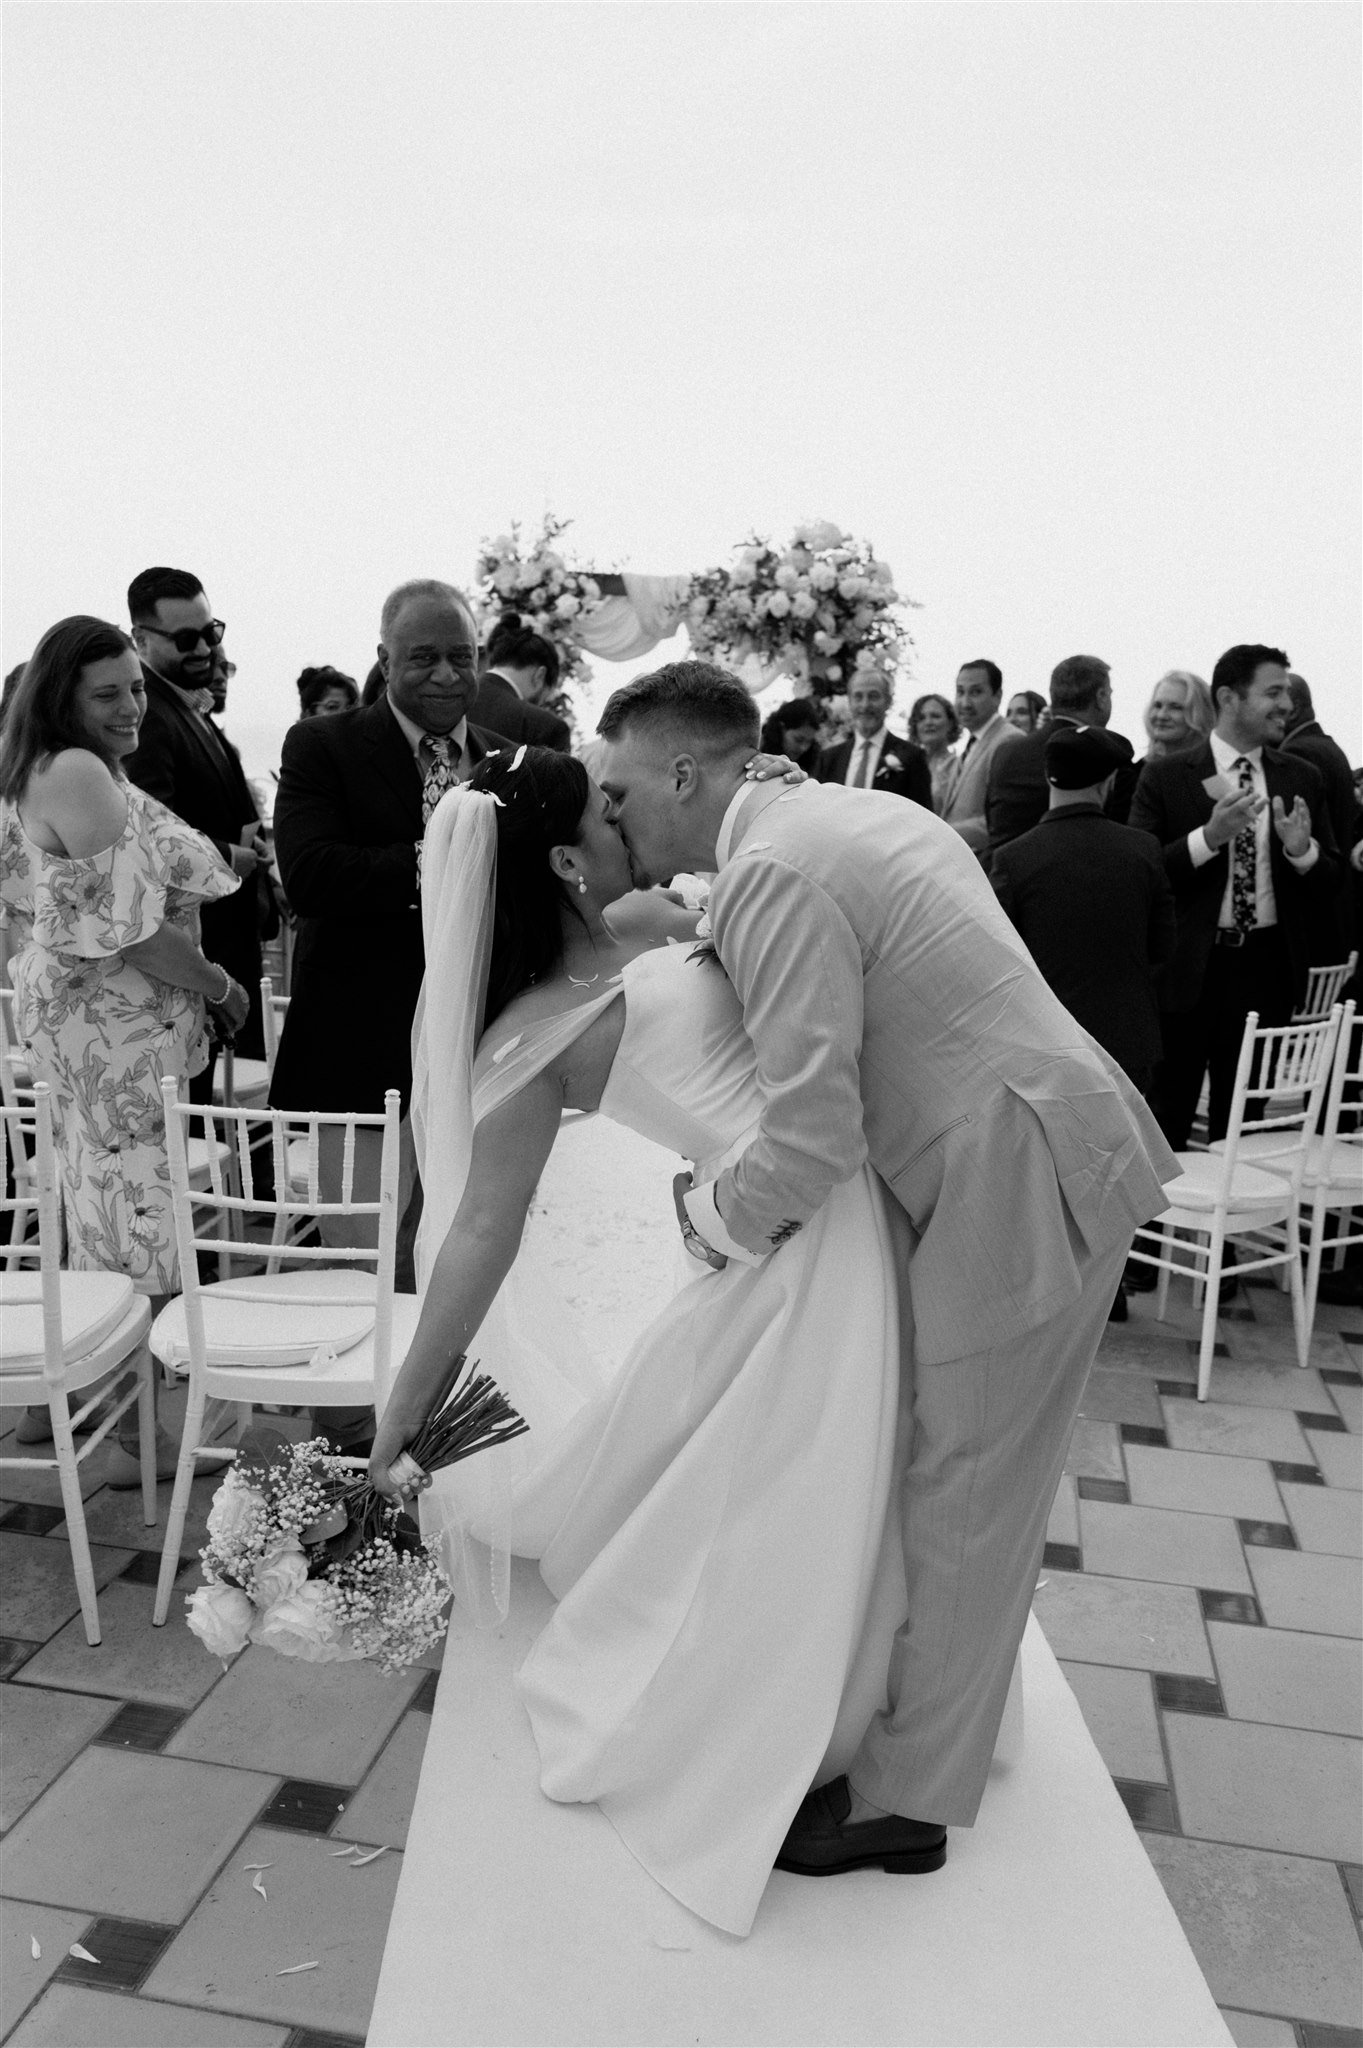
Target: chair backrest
x=27, y=1141
x=1323, y=988
x=15, y=1080
x=231, y=1197
x=1345, y=1095
x=1280, y=1085
x=272, y=1011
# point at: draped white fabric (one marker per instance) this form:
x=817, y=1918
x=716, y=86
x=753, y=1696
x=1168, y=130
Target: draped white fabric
x=623, y=627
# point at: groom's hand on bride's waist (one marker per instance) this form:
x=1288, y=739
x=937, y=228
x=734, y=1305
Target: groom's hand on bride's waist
x=695, y=1244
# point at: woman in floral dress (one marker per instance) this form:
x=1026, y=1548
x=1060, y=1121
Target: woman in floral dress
x=104, y=886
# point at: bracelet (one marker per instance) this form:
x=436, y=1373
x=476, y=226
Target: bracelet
x=216, y=1002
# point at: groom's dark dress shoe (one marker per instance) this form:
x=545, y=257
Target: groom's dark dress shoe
x=822, y=1841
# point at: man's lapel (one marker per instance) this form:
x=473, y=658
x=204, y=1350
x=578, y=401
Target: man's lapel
x=392, y=757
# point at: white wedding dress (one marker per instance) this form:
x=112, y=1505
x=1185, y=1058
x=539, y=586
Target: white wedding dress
x=717, y=1514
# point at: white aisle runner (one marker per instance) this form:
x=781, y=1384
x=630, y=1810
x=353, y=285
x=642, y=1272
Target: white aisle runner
x=521, y=1922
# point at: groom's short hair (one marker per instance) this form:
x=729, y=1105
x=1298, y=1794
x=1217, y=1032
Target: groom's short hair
x=693, y=698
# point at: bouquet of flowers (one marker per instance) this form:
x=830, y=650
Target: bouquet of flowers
x=825, y=608
x=539, y=585
x=306, y=1558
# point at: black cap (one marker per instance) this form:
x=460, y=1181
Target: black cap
x=1077, y=756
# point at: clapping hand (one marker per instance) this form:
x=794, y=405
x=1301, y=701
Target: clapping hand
x=1231, y=814
x=1292, y=827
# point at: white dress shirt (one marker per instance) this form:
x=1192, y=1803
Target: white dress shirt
x=868, y=750
x=1225, y=757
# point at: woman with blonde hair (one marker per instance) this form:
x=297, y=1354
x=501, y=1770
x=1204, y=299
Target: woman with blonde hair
x=1178, y=715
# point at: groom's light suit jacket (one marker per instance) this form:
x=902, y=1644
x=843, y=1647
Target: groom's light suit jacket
x=896, y=1013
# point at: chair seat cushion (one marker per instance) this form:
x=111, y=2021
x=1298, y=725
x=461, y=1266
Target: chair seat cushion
x=1199, y=1184
x=93, y=1305
x=273, y=1319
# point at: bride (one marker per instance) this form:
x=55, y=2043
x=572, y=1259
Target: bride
x=713, y=1521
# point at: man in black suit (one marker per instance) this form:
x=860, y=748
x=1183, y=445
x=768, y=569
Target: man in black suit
x=872, y=758
x=1092, y=902
x=1018, y=792
x=1337, y=936
x=1249, y=853
x=520, y=668
x=189, y=765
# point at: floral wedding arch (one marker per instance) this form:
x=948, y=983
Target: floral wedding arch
x=820, y=610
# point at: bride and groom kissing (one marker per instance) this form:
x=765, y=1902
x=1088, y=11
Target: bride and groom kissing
x=794, y=1536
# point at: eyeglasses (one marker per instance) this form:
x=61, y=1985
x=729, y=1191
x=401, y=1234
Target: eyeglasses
x=188, y=637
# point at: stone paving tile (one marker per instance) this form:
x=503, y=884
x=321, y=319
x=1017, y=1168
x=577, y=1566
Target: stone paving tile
x=1325, y=1518
x=381, y=1809
x=1340, y=1458
x=1163, y=1544
x=1119, y=1712
x=274, y=1713
x=1266, y=1378
x=1272, y=1933
x=166, y=1665
x=139, y=1836
x=1202, y=1483
x=1317, y=1593
x=22, y=1975
x=69, y=2016
x=321, y=1909
x=43, y=1731
x=117, y=1517
x=1267, y=1788
x=1124, y=1621
x=1349, y=1401
x=1063, y=1526
x=38, y=1586
x=1147, y=1351
x=1256, y=2030
x=1294, y=1680
x=1095, y=1450
x=1235, y=1429
x=1120, y=1397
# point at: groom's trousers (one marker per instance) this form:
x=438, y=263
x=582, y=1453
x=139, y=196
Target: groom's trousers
x=989, y=1438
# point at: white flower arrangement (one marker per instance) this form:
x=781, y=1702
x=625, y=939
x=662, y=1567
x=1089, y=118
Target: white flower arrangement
x=300, y=1561
x=825, y=608
x=538, y=583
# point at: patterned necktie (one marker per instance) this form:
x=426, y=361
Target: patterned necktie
x=439, y=772
x=1244, y=911
x=862, y=777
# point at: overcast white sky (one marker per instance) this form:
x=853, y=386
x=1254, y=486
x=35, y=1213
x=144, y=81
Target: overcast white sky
x=1057, y=304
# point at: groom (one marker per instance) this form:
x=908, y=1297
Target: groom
x=896, y=1015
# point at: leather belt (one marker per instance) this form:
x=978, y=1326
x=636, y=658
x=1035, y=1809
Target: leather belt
x=1226, y=935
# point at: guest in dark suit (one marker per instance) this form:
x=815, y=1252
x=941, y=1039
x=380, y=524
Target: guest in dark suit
x=1018, y=792
x=521, y=668
x=355, y=793
x=872, y=758
x=1250, y=855
x=1338, y=935
x=183, y=759
x=1091, y=900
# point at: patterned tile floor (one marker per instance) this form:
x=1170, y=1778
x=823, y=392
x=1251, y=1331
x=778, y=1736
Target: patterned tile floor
x=1201, y=1588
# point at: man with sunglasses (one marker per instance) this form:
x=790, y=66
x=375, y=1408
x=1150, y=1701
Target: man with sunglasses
x=184, y=760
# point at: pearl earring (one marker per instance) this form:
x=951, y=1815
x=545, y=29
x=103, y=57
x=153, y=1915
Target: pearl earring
x=581, y=886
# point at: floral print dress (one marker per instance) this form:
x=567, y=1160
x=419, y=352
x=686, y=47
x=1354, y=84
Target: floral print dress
x=100, y=1032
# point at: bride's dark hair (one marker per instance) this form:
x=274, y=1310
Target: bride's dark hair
x=542, y=796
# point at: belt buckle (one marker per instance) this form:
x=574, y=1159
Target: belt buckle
x=1227, y=935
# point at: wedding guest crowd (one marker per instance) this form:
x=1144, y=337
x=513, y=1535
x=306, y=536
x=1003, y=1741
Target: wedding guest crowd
x=793, y=729
x=324, y=690
x=871, y=757
x=1178, y=715
x=1027, y=710
x=1017, y=791
x=934, y=726
x=520, y=670
x=979, y=693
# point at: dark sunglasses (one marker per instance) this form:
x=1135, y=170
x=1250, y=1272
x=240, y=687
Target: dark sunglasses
x=188, y=637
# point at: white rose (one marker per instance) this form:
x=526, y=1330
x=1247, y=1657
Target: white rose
x=503, y=545
x=528, y=575
x=786, y=577
x=504, y=581
x=834, y=671
x=882, y=572
x=567, y=607
x=852, y=587
x=820, y=534
x=822, y=577
x=234, y=1510
x=221, y=1617
x=280, y=1572
x=743, y=572
x=741, y=604
x=826, y=643
x=552, y=561
x=778, y=604
x=839, y=557
x=803, y=605
x=865, y=659
x=303, y=1625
